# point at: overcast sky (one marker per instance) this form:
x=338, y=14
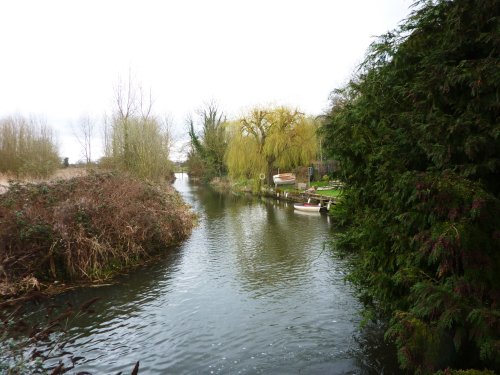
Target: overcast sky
x=62, y=59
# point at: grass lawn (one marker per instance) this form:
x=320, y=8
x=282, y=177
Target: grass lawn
x=334, y=193
x=329, y=193
x=319, y=183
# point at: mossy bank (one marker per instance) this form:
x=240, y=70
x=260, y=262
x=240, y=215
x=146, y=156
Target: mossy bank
x=85, y=229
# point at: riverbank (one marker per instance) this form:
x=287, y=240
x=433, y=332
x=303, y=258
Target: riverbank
x=254, y=276
x=84, y=229
x=283, y=193
x=60, y=174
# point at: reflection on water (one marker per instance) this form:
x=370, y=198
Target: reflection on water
x=252, y=291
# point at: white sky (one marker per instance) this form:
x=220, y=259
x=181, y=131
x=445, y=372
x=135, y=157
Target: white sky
x=61, y=59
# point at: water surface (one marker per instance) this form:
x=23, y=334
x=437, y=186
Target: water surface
x=253, y=290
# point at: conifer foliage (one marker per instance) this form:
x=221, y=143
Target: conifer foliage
x=417, y=136
x=206, y=157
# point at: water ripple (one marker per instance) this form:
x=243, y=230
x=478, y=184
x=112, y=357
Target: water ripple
x=252, y=291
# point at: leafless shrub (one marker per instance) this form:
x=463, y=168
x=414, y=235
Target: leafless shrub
x=88, y=228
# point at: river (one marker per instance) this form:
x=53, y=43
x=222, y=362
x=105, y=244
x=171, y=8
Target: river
x=254, y=290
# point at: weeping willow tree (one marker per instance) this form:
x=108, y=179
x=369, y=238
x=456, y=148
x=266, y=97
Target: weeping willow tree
x=270, y=138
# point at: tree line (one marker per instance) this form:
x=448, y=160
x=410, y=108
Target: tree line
x=139, y=141
x=136, y=140
x=27, y=147
x=252, y=146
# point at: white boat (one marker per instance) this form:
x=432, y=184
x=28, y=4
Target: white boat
x=307, y=207
x=306, y=213
x=284, y=179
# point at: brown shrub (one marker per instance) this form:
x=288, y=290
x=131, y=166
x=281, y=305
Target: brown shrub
x=87, y=228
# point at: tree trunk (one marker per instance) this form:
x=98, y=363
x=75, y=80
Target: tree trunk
x=270, y=163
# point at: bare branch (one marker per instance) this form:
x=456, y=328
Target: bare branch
x=84, y=132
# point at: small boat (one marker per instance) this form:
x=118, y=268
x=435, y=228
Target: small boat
x=284, y=179
x=306, y=213
x=307, y=207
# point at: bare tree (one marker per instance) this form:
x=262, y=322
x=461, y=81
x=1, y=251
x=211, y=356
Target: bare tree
x=136, y=139
x=131, y=105
x=166, y=129
x=125, y=99
x=132, y=100
x=145, y=104
x=107, y=135
x=84, y=132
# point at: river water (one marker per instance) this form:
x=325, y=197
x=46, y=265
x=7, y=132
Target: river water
x=254, y=290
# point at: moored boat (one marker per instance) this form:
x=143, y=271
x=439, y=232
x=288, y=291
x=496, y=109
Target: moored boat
x=307, y=207
x=284, y=179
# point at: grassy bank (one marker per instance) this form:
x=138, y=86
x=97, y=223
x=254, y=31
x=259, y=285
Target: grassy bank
x=316, y=187
x=284, y=192
x=84, y=229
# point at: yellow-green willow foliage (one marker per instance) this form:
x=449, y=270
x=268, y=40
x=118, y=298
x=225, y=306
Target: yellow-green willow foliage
x=27, y=148
x=270, y=138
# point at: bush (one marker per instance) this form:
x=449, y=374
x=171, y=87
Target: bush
x=27, y=148
x=88, y=228
x=140, y=147
x=416, y=133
